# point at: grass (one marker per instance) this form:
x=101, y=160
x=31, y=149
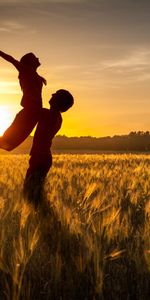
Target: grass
x=89, y=239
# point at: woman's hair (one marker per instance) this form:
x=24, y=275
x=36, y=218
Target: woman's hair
x=29, y=59
x=64, y=100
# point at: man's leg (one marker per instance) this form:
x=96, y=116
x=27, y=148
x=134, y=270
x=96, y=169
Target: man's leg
x=39, y=166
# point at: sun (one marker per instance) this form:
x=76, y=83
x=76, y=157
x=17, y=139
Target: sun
x=5, y=119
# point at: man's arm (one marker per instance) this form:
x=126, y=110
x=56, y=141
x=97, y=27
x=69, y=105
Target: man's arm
x=10, y=59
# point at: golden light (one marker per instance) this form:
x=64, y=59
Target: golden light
x=5, y=119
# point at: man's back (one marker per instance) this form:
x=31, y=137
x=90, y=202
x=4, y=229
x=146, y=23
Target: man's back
x=49, y=123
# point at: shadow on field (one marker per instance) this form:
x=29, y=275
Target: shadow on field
x=43, y=259
x=40, y=258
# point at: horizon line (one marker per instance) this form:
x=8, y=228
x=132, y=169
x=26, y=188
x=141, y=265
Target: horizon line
x=99, y=137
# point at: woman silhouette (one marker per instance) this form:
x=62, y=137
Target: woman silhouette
x=31, y=84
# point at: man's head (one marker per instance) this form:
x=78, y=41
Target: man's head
x=30, y=60
x=62, y=100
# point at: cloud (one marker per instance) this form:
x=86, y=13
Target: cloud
x=9, y=87
x=133, y=60
x=13, y=27
x=131, y=68
x=8, y=83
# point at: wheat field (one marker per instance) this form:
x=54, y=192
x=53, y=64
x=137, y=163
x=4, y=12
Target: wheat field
x=88, y=239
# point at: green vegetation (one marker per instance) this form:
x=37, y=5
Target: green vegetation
x=89, y=239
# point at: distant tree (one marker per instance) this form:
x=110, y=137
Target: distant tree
x=140, y=133
x=132, y=133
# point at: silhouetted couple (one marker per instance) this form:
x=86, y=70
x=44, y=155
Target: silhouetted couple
x=49, y=121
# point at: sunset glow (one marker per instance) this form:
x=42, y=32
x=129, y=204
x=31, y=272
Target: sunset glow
x=98, y=50
x=5, y=119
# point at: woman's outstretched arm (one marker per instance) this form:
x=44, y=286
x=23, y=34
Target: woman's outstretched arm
x=10, y=59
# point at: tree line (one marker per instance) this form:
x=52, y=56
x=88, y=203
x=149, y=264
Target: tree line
x=134, y=141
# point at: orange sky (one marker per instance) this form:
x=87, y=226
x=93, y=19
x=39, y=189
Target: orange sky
x=98, y=50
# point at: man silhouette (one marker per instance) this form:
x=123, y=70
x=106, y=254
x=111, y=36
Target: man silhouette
x=41, y=159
